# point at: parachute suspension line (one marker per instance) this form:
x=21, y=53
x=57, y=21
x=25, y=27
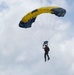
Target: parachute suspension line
x=52, y=26
x=42, y=26
x=39, y=30
x=49, y=26
x=46, y=27
x=28, y=19
x=34, y=32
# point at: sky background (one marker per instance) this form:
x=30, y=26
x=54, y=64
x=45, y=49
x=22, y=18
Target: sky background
x=21, y=50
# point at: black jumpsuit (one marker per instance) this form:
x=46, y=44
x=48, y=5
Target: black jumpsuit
x=46, y=49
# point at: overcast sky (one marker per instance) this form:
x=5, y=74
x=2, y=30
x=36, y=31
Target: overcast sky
x=21, y=50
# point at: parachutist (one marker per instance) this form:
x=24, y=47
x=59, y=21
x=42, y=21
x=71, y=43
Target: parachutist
x=46, y=49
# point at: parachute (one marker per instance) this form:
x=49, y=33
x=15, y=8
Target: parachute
x=29, y=18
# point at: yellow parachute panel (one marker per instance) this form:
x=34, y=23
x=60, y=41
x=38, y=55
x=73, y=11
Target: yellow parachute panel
x=36, y=12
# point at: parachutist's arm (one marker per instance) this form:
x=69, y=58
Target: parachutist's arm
x=43, y=47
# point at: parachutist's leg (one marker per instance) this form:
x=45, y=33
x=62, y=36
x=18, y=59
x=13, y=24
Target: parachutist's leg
x=45, y=56
x=48, y=56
